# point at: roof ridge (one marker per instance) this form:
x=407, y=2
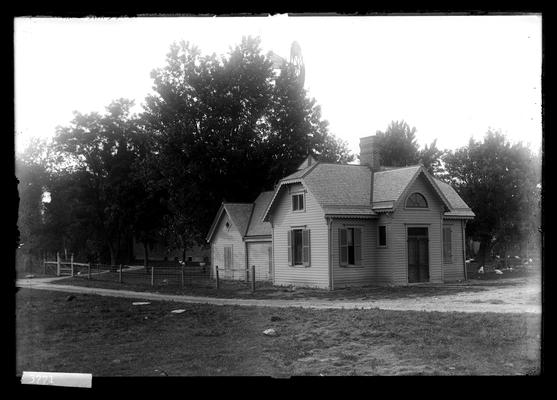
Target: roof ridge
x=249, y=220
x=343, y=164
x=399, y=168
x=309, y=169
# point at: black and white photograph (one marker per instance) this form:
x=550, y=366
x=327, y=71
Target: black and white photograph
x=278, y=195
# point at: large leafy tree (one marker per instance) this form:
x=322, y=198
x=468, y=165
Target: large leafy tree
x=226, y=128
x=501, y=182
x=398, y=147
x=97, y=184
x=33, y=176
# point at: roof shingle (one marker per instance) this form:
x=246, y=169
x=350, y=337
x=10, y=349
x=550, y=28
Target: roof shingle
x=389, y=185
x=340, y=185
x=345, y=189
x=256, y=225
x=239, y=214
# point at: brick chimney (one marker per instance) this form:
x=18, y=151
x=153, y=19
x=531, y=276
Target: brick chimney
x=369, y=153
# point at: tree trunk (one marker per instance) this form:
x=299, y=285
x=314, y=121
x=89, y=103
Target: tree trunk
x=112, y=254
x=145, y=256
x=484, y=249
x=184, y=256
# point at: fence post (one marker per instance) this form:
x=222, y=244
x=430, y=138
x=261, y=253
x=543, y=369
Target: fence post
x=71, y=263
x=57, y=263
x=89, y=271
x=120, y=274
x=217, y=275
x=253, y=278
x=182, y=275
x=152, y=275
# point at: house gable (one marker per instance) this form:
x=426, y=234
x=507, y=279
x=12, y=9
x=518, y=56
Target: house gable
x=224, y=237
x=422, y=186
x=284, y=220
x=391, y=187
x=238, y=215
x=422, y=181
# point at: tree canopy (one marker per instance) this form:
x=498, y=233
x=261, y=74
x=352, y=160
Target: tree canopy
x=216, y=128
x=398, y=147
x=501, y=182
x=227, y=128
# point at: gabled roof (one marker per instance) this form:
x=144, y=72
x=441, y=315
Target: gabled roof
x=246, y=217
x=340, y=189
x=345, y=189
x=390, y=186
x=309, y=160
x=458, y=207
x=239, y=214
x=300, y=173
x=256, y=226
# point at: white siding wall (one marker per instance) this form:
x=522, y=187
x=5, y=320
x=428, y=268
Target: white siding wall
x=383, y=255
x=454, y=271
x=258, y=255
x=344, y=276
x=397, y=272
x=232, y=238
x=284, y=219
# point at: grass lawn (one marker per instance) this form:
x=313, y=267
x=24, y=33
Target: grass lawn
x=111, y=337
x=139, y=281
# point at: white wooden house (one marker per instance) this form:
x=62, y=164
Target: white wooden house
x=337, y=225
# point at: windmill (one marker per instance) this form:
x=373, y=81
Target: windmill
x=296, y=60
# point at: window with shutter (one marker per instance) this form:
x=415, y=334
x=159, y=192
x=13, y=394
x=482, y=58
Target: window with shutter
x=350, y=244
x=289, y=247
x=447, y=245
x=357, y=246
x=299, y=247
x=306, y=245
x=343, y=247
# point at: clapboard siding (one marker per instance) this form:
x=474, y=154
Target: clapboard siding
x=230, y=237
x=284, y=219
x=258, y=255
x=454, y=271
x=383, y=271
x=362, y=275
x=430, y=218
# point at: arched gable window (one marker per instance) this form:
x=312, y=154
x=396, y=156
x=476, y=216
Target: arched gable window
x=416, y=200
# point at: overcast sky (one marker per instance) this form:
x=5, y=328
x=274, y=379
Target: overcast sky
x=452, y=77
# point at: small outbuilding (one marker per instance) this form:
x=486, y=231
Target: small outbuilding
x=240, y=239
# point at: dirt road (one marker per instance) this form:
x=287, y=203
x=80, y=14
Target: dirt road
x=508, y=299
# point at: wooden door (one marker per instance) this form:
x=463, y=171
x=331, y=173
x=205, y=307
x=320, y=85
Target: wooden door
x=227, y=262
x=418, y=255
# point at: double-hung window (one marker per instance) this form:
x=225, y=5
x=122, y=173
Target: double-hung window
x=299, y=247
x=350, y=241
x=298, y=202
